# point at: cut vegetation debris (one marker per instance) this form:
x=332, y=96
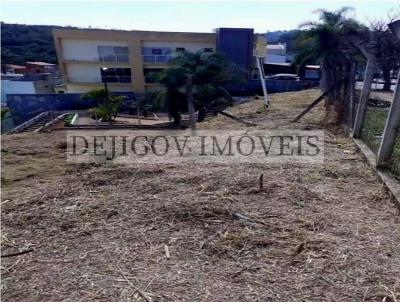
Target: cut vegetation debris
x=329, y=232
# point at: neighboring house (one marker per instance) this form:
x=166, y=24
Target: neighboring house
x=127, y=60
x=276, y=53
x=15, y=69
x=312, y=72
x=40, y=67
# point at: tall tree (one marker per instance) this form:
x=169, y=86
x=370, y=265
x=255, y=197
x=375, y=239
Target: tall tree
x=207, y=74
x=386, y=48
x=324, y=42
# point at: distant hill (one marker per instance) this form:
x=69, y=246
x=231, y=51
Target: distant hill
x=23, y=43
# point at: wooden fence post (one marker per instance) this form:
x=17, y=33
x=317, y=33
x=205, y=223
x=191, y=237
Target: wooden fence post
x=391, y=129
x=363, y=103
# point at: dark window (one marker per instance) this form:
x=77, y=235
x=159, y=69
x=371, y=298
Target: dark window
x=208, y=49
x=119, y=50
x=156, y=51
x=180, y=49
x=151, y=74
x=116, y=75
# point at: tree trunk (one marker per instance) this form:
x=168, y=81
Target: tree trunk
x=339, y=96
x=202, y=114
x=349, y=92
x=387, y=79
x=189, y=97
x=324, y=82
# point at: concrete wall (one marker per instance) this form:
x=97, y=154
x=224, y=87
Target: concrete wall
x=25, y=106
x=312, y=74
x=253, y=87
x=82, y=88
x=12, y=87
x=237, y=45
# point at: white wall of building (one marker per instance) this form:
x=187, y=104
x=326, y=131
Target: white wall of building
x=312, y=74
x=189, y=46
x=89, y=73
x=85, y=50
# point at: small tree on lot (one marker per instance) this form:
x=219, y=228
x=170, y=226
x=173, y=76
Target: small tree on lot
x=4, y=112
x=199, y=78
x=107, y=108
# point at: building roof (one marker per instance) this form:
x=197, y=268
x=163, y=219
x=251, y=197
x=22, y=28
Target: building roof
x=15, y=66
x=276, y=46
x=41, y=63
x=313, y=66
x=279, y=64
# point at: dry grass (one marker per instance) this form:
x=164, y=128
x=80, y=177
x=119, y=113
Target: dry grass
x=315, y=233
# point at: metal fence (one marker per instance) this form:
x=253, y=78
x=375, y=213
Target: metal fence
x=395, y=160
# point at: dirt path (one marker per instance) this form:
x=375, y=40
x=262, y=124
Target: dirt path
x=323, y=232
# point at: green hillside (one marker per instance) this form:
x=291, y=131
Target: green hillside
x=21, y=43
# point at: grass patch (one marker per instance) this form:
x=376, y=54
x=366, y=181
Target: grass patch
x=372, y=131
x=68, y=119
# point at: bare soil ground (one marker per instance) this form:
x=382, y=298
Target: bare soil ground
x=325, y=232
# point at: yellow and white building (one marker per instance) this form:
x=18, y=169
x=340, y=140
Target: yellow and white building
x=124, y=59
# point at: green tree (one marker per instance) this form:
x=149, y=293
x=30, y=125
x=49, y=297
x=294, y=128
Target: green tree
x=329, y=42
x=107, y=108
x=201, y=75
x=324, y=42
x=386, y=48
x=4, y=112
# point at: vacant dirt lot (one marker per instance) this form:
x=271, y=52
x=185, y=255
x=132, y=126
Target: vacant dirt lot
x=325, y=232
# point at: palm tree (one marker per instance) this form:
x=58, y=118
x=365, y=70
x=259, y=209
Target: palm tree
x=197, y=78
x=107, y=108
x=324, y=42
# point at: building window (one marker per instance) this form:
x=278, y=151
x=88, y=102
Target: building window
x=116, y=75
x=113, y=53
x=180, y=49
x=151, y=74
x=156, y=51
x=159, y=55
x=207, y=49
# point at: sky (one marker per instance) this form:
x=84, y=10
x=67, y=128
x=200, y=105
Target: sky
x=195, y=16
